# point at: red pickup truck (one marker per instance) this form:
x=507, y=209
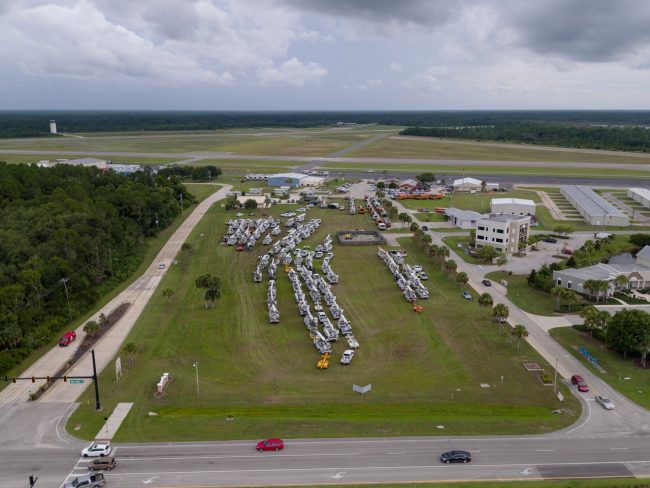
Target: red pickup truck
x=67, y=338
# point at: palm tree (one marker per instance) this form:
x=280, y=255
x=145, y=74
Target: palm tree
x=571, y=298
x=451, y=266
x=558, y=292
x=168, y=293
x=621, y=281
x=500, y=313
x=519, y=332
x=462, y=279
x=405, y=218
x=433, y=250
x=414, y=227
x=91, y=328
x=212, y=286
x=427, y=239
x=102, y=320
x=130, y=348
x=485, y=301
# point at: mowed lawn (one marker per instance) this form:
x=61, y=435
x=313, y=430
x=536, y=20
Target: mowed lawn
x=626, y=376
x=479, y=201
x=436, y=148
x=259, y=380
x=256, y=143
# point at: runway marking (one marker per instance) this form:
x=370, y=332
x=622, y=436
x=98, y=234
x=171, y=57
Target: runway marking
x=544, y=450
x=618, y=448
x=395, y=453
x=329, y=469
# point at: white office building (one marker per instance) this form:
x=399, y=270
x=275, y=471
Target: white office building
x=512, y=206
x=463, y=219
x=505, y=233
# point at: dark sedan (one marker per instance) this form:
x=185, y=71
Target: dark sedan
x=456, y=457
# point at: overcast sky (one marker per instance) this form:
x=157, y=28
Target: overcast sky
x=324, y=54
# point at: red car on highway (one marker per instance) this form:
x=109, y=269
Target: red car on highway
x=270, y=445
x=67, y=338
x=579, y=381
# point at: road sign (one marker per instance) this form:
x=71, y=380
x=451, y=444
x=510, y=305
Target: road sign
x=76, y=382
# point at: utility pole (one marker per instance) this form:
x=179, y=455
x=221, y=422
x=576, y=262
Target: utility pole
x=196, y=367
x=110, y=261
x=65, y=287
x=555, y=379
x=157, y=221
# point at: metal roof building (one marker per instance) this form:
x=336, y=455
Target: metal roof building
x=641, y=195
x=594, y=208
x=514, y=206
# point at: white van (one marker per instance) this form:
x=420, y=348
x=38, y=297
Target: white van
x=381, y=226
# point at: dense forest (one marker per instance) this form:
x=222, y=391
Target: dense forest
x=36, y=123
x=81, y=225
x=581, y=136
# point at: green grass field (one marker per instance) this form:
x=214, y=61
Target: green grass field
x=479, y=202
x=254, y=143
x=435, y=148
x=529, y=299
x=425, y=368
x=636, y=388
x=602, y=171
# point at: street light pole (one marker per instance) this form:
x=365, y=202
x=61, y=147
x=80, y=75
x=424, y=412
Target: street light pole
x=555, y=379
x=65, y=287
x=196, y=367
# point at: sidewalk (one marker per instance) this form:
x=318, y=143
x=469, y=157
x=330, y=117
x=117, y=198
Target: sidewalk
x=111, y=426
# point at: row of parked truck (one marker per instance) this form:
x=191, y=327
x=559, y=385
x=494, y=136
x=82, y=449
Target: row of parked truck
x=378, y=213
x=406, y=277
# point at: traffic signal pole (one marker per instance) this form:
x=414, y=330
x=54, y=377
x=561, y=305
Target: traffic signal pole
x=65, y=378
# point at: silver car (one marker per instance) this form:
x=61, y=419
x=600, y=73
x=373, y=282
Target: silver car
x=606, y=403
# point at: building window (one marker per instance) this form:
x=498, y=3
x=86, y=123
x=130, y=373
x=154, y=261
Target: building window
x=499, y=240
x=569, y=284
x=559, y=281
x=499, y=231
x=480, y=227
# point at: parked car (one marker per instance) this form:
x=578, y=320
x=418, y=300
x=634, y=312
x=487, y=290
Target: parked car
x=348, y=354
x=417, y=268
x=423, y=276
x=456, y=457
x=161, y=265
x=67, y=338
x=567, y=251
x=287, y=214
x=319, y=255
x=467, y=295
x=579, y=381
x=486, y=283
x=97, y=450
x=272, y=444
x=552, y=240
x=606, y=403
x=106, y=462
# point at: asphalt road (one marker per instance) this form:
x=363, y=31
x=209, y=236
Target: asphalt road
x=326, y=461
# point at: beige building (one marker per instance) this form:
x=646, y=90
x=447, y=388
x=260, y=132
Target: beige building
x=505, y=233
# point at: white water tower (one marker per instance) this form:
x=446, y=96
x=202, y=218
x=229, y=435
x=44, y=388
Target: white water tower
x=52, y=126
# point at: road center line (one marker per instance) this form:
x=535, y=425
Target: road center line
x=255, y=456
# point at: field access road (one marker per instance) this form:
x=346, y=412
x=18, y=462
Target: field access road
x=374, y=460
x=137, y=295
x=461, y=163
x=628, y=419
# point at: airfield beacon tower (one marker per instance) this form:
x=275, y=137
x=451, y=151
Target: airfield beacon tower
x=52, y=126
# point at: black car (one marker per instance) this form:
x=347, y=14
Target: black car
x=552, y=240
x=456, y=457
x=486, y=283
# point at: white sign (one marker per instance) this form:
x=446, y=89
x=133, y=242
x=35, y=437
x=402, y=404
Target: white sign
x=362, y=389
x=560, y=396
x=118, y=369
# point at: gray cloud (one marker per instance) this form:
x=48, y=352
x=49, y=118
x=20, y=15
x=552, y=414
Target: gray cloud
x=581, y=30
x=423, y=12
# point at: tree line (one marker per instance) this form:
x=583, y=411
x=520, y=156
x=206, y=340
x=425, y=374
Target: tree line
x=36, y=123
x=564, y=135
x=67, y=235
